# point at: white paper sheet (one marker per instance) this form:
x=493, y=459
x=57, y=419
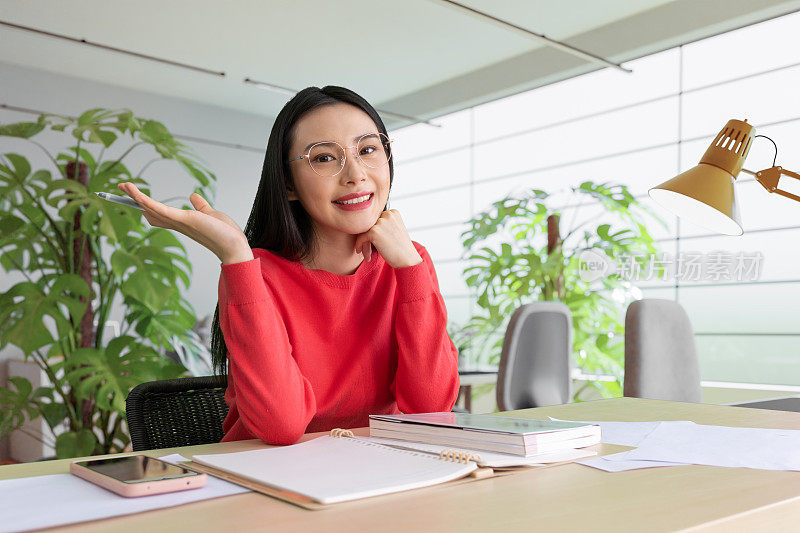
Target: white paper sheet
x=675, y=443
x=70, y=499
x=620, y=464
x=766, y=449
x=621, y=433
x=626, y=434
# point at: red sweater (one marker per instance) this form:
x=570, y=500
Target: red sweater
x=309, y=350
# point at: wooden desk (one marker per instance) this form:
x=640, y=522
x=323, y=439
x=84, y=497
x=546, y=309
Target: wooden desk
x=564, y=498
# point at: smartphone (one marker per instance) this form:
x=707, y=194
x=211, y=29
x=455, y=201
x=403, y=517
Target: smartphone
x=137, y=475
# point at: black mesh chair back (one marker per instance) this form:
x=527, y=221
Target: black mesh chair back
x=176, y=412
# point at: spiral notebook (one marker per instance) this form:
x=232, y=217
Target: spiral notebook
x=334, y=469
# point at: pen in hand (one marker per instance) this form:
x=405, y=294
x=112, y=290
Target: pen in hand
x=119, y=200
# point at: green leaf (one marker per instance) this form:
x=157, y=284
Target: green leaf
x=109, y=174
x=75, y=444
x=22, y=245
x=202, y=176
x=9, y=226
x=24, y=387
x=83, y=155
x=16, y=405
x=13, y=179
x=25, y=130
x=108, y=375
x=98, y=217
x=53, y=413
x=147, y=287
x=164, y=239
x=21, y=166
x=148, y=274
x=26, y=306
x=93, y=126
x=90, y=116
x=156, y=131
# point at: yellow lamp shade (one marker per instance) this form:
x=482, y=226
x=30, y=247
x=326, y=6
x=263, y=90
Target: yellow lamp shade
x=704, y=194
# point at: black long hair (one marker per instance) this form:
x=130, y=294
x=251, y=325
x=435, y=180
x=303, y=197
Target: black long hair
x=275, y=223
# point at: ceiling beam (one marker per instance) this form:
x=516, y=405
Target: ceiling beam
x=558, y=45
x=642, y=34
x=112, y=48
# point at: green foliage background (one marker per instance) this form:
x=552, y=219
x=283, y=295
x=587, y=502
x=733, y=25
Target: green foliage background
x=46, y=219
x=510, y=265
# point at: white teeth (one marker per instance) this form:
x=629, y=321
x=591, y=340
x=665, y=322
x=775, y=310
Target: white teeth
x=356, y=200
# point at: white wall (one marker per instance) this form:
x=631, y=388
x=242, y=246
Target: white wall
x=238, y=170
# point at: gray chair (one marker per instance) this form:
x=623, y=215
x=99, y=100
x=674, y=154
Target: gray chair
x=660, y=354
x=535, y=362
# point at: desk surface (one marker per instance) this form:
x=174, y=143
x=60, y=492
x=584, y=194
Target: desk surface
x=478, y=370
x=565, y=498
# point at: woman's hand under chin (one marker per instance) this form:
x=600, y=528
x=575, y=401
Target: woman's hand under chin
x=390, y=237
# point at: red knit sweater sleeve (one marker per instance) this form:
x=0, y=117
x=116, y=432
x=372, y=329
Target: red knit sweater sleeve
x=427, y=366
x=274, y=399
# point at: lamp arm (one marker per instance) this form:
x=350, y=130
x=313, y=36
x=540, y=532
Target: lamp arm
x=791, y=174
x=769, y=179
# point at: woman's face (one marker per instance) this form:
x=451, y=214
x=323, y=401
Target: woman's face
x=322, y=196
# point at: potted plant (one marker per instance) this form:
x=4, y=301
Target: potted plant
x=79, y=256
x=516, y=254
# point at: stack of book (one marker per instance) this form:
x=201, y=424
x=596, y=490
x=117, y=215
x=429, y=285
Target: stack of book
x=517, y=436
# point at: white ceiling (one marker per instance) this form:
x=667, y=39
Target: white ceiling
x=422, y=58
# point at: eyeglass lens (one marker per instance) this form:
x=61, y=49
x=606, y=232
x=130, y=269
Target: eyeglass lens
x=327, y=158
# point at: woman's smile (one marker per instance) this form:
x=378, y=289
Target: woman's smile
x=354, y=202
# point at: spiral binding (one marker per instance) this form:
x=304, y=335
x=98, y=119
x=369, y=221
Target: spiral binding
x=456, y=456
x=459, y=456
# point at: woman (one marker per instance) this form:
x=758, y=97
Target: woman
x=328, y=312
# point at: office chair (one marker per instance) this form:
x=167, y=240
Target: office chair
x=535, y=362
x=176, y=412
x=660, y=354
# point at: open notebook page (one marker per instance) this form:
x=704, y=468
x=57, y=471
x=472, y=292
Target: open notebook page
x=330, y=470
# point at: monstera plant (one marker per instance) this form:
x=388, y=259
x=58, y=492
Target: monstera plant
x=517, y=252
x=77, y=256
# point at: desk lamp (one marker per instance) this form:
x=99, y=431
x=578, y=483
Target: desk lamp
x=704, y=194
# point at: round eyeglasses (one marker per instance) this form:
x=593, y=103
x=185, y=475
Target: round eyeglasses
x=327, y=158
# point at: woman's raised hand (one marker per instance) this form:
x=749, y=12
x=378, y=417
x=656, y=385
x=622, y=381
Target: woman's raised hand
x=210, y=228
x=390, y=237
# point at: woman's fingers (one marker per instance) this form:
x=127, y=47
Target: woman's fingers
x=146, y=202
x=200, y=203
x=153, y=220
x=141, y=198
x=391, y=239
x=364, y=245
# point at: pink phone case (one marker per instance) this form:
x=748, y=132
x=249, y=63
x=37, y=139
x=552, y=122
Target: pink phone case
x=133, y=490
